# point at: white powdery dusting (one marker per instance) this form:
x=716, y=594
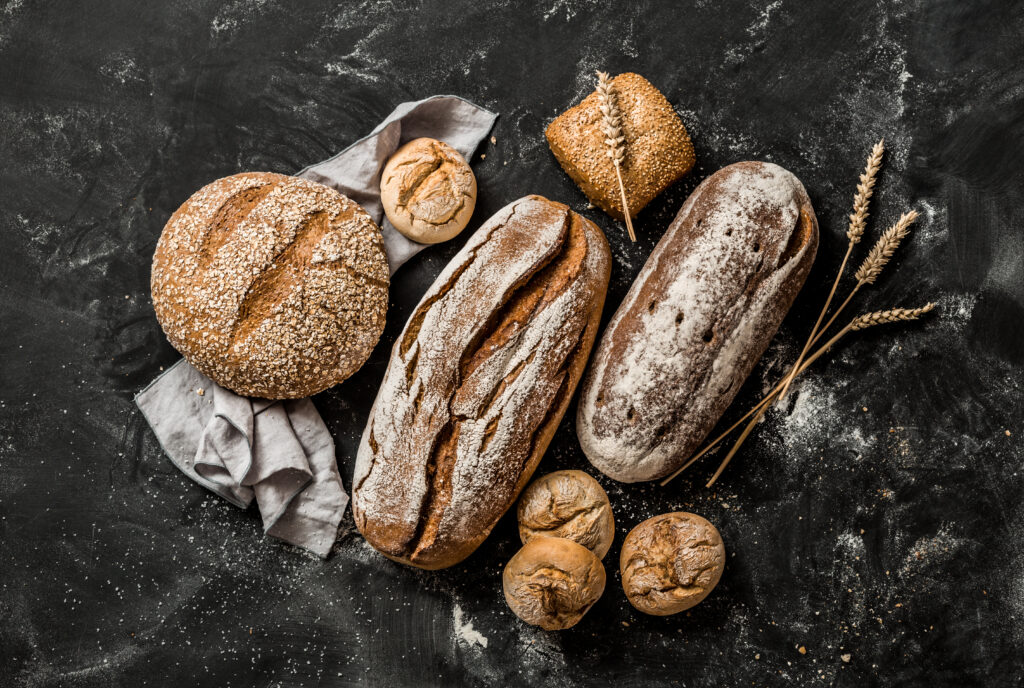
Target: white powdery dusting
x=666, y=352
x=464, y=630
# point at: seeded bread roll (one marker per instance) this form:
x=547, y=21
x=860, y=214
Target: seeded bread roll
x=478, y=381
x=671, y=562
x=696, y=320
x=272, y=286
x=428, y=191
x=570, y=505
x=657, y=148
x=553, y=582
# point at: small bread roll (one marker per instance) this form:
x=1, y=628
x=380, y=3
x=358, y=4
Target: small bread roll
x=570, y=505
x=428, y=191
x=552, y=582
x=671, y=562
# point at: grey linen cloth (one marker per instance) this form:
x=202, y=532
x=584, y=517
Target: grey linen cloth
x=280, y=453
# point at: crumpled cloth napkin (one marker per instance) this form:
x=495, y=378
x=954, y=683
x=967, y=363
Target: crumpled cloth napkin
x=280, y=453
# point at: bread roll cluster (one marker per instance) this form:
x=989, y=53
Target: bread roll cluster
x=566, y=525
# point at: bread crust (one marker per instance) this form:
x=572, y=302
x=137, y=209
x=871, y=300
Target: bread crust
x=696, y=320
x=478, y=381
x=272, y=286
x=428, y=191
x=567, y=504
x=553, y=582
x=671, y=562
x=658, y=150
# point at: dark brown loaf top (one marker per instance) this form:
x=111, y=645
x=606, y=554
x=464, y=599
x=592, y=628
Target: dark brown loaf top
x=658, y=150
x=272, y=286
x=478, y=381
x=696, y=320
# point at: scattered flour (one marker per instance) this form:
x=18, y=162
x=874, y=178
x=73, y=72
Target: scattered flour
x=464, y=630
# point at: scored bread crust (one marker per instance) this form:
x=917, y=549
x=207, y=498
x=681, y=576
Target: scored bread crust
x=696, y=320
x=478, y=382
x=658, y=150
x=270, y=285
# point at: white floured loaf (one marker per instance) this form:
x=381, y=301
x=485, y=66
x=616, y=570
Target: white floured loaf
x=696, y=320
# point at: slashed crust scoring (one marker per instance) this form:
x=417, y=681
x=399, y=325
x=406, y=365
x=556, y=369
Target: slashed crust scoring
x=271, y=285
x=696, y=320
x=671, y=562
x=478, y=381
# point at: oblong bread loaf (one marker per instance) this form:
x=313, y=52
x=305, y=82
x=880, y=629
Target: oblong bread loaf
x=696, y=320
x=478, y=381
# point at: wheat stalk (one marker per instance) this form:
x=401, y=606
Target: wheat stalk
x=858, y=323
x=882, y=251
x=614, y=138
x=858, y=221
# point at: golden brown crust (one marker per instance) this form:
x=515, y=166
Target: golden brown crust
x=552, y=582
x=272, y=286
x=570, y=505
x=428, y=191
x=478, y=382
x=671, y=562
x=658, y=149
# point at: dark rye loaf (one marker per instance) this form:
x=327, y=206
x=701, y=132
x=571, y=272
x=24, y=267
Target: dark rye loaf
x=696, y=320
x=478, y=382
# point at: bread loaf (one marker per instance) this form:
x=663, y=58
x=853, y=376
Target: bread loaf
x=553, y=582
x=478, y=381
x=272, y=286
x=428, y=191
x=671, y=562
x=657, y=148
x=696, y=320
x=570, y=505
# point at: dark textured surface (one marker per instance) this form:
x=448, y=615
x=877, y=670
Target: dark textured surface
x=894, y=534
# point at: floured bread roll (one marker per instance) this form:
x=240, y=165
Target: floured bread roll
x=671, y=562
x=570, y=505
x=553, y=582
x=428, y=191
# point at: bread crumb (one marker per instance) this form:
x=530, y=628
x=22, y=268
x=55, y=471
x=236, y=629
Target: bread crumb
x=864, y=408
x=846, y=658
x=200, y=391
x=1007, y=433
x=802, y=650
x=757, y=656
x=626, y=624
x=494, y=140
x=483, y=156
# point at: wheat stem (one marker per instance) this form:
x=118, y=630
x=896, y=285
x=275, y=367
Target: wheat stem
x=858, y=221
x=859, y=323
x=614, y=139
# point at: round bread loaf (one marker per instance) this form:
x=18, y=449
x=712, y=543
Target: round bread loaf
x=428, y=191
x=270, y=285
x=553, y=582
x=671, y=562
x=570, y=505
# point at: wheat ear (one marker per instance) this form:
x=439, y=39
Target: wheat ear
x=859, y=323
x=614, y=138
x=858, y=221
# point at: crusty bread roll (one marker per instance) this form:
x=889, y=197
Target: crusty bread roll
x=696, y=320
x=478, y=381
x=272, y=286
x=657, y=148
x=671, y=562
x=570, y=505
x=553, y=582
x=428, y=191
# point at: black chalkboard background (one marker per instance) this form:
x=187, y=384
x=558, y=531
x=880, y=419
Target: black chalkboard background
x=875, y=521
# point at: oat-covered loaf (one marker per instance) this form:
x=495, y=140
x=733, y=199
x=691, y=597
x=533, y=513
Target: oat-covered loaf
x=428, y=191
x=696, y=320
x=671, y=562
x=272, y=286
x=478, y=381
x=570, y=505
x=553, y=582
x=658, y=150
